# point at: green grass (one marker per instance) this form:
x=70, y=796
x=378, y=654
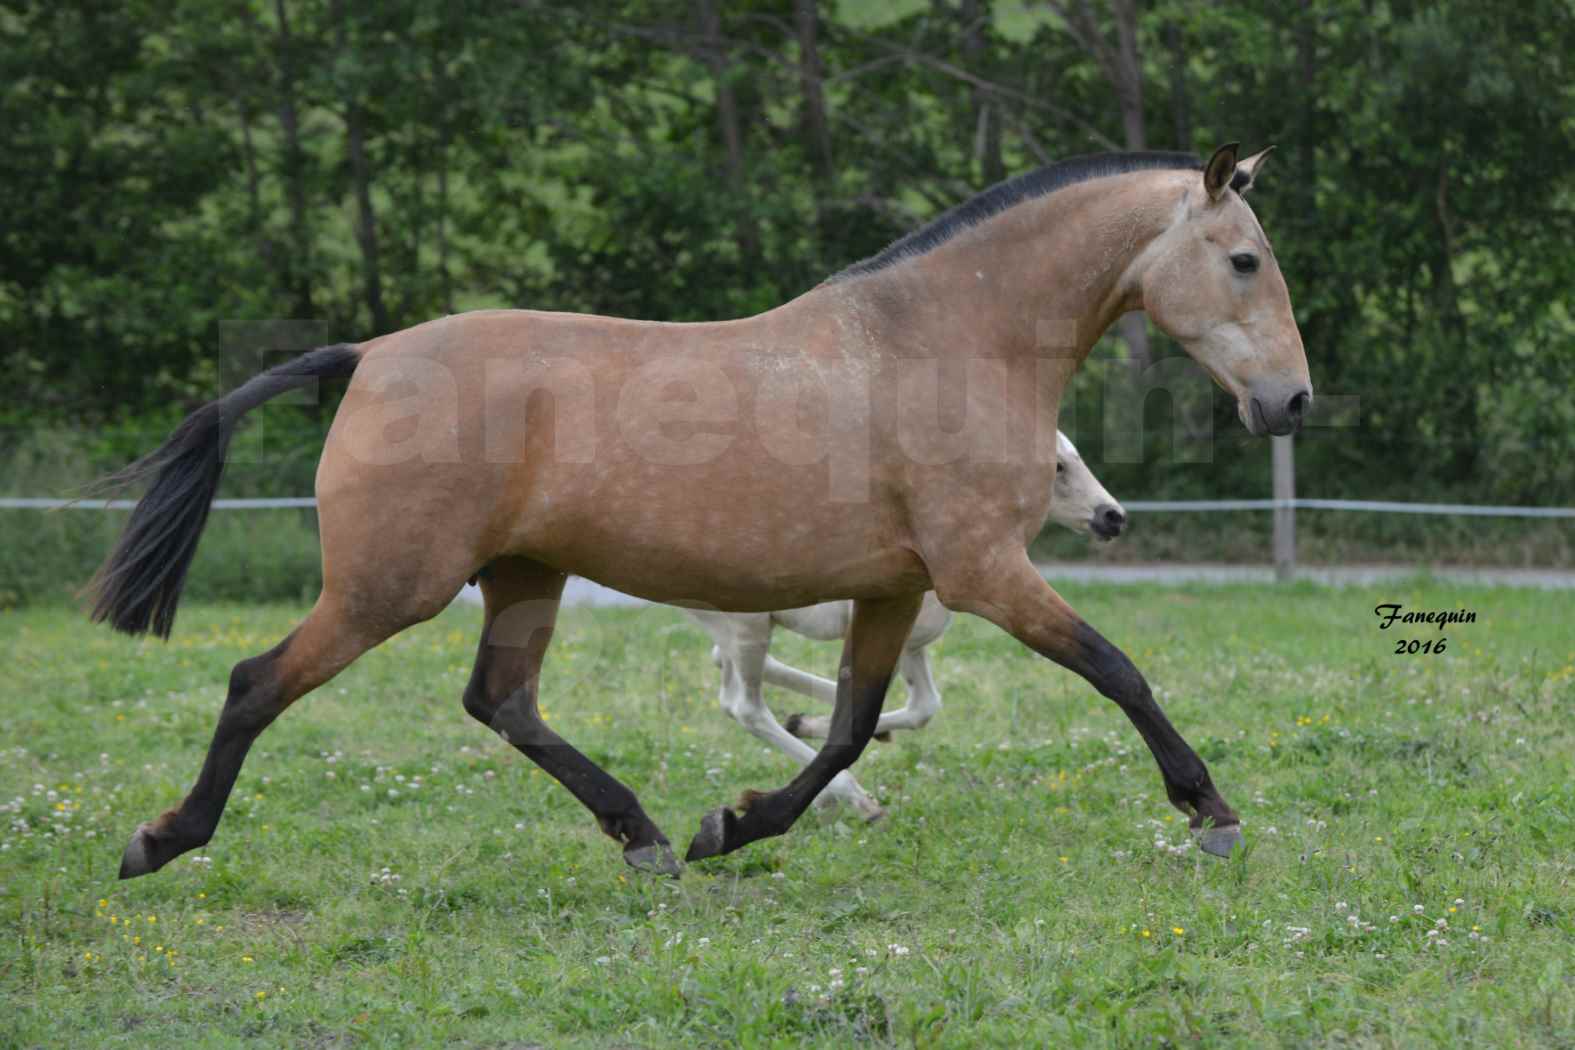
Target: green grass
x=1013, y=897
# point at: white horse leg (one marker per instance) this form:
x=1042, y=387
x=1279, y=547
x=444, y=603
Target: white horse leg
x=811, y=685
x=924, y=700
x=743, y=697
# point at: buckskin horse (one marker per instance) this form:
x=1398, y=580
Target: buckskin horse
x=890, y=431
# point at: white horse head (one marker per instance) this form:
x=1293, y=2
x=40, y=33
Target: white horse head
x=1080, y=502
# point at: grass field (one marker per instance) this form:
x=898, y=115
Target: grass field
x=390, y=874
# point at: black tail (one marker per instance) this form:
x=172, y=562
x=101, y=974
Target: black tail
x=139, y=585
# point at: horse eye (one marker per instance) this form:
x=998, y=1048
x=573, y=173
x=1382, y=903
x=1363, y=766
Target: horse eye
x=1245, y=262
x=1059, y=467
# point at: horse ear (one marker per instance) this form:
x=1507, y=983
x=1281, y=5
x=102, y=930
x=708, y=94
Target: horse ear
x=1218, y=172
x=1247, y=170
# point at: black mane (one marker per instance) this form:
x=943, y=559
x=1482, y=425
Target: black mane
x=1014, y=191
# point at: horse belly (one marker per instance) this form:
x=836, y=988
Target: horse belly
x=742, y=548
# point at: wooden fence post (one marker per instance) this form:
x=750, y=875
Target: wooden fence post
x=1284, y=517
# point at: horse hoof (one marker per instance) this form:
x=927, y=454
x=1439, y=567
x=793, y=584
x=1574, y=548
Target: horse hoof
x=1219, y=841
x=656, y=858
x=138, y=858
x=870, y=810
x=711, y=839
x=884, y=738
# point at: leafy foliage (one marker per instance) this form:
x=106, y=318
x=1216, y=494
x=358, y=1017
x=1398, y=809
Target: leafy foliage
x=169, y=167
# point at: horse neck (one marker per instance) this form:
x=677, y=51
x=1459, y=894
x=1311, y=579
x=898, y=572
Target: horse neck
x=1045, y=278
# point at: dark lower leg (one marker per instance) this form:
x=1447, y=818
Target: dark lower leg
x=260, y=690
x=253, y=702
x=522, y=608
x=875, y=640
x=1016, y=598
x=1187, y=781
x=764, y=814
x=615, y=807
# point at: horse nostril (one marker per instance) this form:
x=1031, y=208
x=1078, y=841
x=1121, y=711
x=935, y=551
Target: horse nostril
x=1107, y=521
x=1298, y=405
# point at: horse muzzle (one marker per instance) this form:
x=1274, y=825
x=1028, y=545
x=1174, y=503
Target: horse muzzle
x=1107, y=522
x=1278, y=413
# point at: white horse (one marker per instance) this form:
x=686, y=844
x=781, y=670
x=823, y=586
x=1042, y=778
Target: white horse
x=743, y=641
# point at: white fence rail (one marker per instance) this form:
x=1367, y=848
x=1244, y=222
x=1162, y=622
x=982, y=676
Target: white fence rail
x=1381, y=506
x=30, y=503
x=1284, y=518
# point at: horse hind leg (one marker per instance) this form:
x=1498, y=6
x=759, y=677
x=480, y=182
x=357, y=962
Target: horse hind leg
x=261, y=687
x=521, y=599
x=924, y=699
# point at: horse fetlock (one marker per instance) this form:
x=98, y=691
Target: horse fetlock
x=802, y=725
x=845, y=789
x=631, y=829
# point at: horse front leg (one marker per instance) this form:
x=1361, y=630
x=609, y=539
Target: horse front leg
x=875, y=640
x=1018, y=600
